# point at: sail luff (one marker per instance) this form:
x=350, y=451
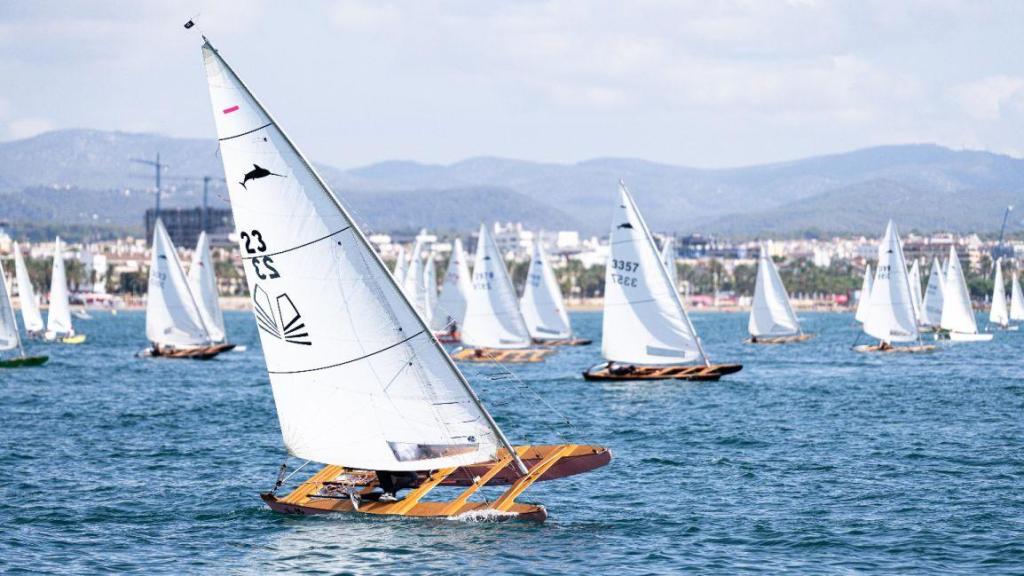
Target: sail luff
x=30, y=315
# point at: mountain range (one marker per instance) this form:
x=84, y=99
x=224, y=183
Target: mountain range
x=87, y=177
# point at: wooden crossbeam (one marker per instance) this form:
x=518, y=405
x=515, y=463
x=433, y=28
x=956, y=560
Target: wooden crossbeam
x=484, y=479
x=405, y=504
x=506, y=500
x=312, y=484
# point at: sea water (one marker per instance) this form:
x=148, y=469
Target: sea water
x=813, y=459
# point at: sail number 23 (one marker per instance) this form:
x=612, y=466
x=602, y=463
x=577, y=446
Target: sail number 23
x=625, y=266
x=263, y=266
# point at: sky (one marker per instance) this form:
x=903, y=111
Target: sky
x=697, y=83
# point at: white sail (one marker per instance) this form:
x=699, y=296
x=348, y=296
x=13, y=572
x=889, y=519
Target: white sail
x=931, y=307
x=865, y=295
x=542, y=305
x=30, y=315
x=999, y=314
x=493, y=319
x=957, y=314
x=202, y=280
x=58, y=317
x=771, y=313
x=668, y=257
x=414, y=284
x=172, y=313
x=890, y=313
x=358, y=378
x=401, y=265
x=644, y=319
x=915, y=290
x=451, y=304
x=429, y=288
x=9, y=337
x=1016, y=300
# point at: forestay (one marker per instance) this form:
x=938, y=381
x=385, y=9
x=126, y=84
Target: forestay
x=865, y=295
x=202, y=280
x=358, y=378
x=890, y=314
x=9, y=337
x=1016, y=300
x=931, y=307
x=172, y=314
x=58, y=317
x=644, y=319
x=451, y=304
x=30, y=315
x=957, y=314
x=999, y=314
x=493, y=319
x=542, y=305
x=771, y=313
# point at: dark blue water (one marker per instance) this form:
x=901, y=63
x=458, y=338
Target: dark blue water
x=814, y=459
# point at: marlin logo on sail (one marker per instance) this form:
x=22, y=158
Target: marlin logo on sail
x=256, y=173
x=626, y=225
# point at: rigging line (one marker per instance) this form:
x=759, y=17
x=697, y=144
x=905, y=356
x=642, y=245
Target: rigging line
x=246, y=133
x=519, y=384
x=363, y=357
x=261, y=255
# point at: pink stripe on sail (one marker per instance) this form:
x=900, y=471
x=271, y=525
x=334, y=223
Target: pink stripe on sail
x=230, y=110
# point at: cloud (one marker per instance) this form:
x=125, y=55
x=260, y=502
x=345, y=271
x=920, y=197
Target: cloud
x=988, y=98
x=27, y=127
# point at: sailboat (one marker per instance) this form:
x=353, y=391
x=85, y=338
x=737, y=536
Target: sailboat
x=401, y=265
x=175, y=325
x=10, y=339
x=450, y=310
x=889, y=313
x=772, y=320
x=30, y=315
x=668, y=257
x=999, y=314
x=202, y=281
x=543, y=308
x=958, y=322
x=494, y=329
x=865, y=295
x=415, y=283
x=360, y=383
x=647, y=334
x=915, y=291
x=1016, y=300
x=931, y=306
x=58, y=317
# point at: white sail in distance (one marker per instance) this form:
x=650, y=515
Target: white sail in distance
x=668, y=257
x=493, y=319
x=173, y=318
x=451, y=303
x=644, y=322
x=401, y=265
x=771, y=313
x=542, y=304
x=931, y=306
x=999, y=314
x=202, y=279
x=357, y=376
x=865, y=295
x=9, y=337
x=30, y=315
x=915, y=290
x=429, y=288
x=890, y=313
x=414, y=284
x=58, y=317
x=957, y=313
x=1016, y=299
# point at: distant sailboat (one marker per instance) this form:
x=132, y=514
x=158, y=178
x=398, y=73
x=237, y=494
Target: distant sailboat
x=931, y=306
x=890, y=316
x=957, y=314
x=450, y=311
x=415, y=283
x=360, y=384
x=646, y=333
x=915, y=291
x=10, y=339
x=772, y=320
x=668, y=257
x=543, y=308
x=999, y=314
x=495, y=328
x=174, y=322
x=30, y=315
x=401, y=265
x=865, y=295
x=1016, y=300
x=58, y=317
x=202, y=281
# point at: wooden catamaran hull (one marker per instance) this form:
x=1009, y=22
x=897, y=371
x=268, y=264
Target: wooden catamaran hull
x=200, y=353
x=505, y=356
x=322, y=493
x=25, y=362
x=564, y=342
x=693, y=372
x=779, y=339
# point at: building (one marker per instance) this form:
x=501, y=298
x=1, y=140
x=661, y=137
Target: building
x=185, y=224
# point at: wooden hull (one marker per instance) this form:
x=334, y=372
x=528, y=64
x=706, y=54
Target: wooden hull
x=877, y=348
x=512, y=356
x=564, y=342
x=692, y=372
x=201, y=353
x=779, y=339
x=336, y=489
x=25, y=362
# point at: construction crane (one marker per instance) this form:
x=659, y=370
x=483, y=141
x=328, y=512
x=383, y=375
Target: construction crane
x=158, y=167
x=1000, y=250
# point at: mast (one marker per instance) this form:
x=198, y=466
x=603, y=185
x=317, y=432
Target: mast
x=361, y=238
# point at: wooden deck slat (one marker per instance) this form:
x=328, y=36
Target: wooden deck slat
x=505, y=501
